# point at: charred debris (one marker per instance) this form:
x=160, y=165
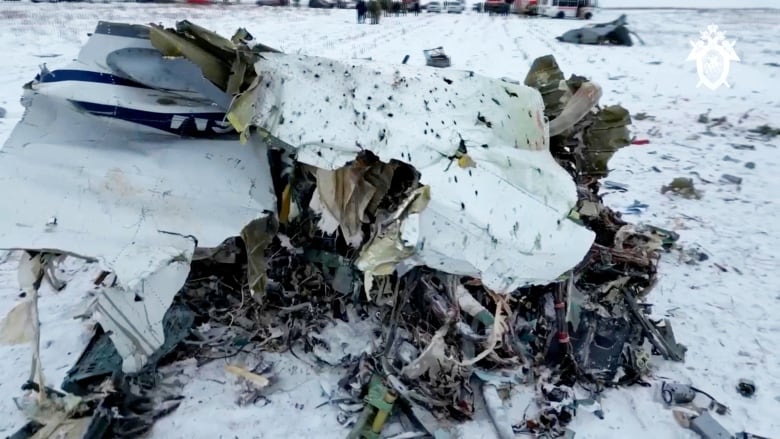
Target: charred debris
x=442, y=346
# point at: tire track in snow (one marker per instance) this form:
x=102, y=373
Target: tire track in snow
x=357, y=41
x=470, y=51
x=411, y=32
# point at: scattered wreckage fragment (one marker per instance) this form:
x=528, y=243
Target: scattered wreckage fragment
x=746, y=387
x=436, y=58
x=473, y=226
x=766, y=131
x=117, y=177
x=98, y=169
x=614, y=32
x=683, y=187
x=682, y=399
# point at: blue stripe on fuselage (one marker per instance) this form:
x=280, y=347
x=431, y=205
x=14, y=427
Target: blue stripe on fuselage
x=160, y=121
x=87, y=76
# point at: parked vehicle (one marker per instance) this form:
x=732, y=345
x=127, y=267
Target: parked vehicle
x=346, y=4
x=433, y=7
x=454, y=7
x=322, y=4
x=568, y=8
x=272, y=2
x=477, y=7
x=496, y=7
x=525, y=7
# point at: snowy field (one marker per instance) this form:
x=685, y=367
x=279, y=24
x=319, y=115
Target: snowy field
x=724, y=309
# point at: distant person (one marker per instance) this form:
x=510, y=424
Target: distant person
x=361, y=11
x=416, y=8
x=374, y=9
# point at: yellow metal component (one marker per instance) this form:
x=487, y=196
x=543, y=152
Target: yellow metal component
x=381, y=415
x=237, y=73
x=465, y=161
x=241, y=113
x=212, y=38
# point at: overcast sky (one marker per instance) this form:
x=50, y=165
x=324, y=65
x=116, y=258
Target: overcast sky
x=692, y=3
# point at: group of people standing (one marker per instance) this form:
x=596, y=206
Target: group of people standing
x=362, y=8
x=374, y=9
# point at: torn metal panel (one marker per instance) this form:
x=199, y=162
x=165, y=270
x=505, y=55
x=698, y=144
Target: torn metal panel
x=227, y=63
x=134, y=319
x=101, y=359
x=98, y=153
x=216, y=43
x=503, y=217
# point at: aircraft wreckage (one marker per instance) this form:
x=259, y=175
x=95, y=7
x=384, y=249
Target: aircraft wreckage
x=159, y=150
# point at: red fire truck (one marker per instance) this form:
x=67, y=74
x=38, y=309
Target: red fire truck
x=525, y=7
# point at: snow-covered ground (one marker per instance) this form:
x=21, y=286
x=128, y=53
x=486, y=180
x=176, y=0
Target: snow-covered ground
x=725, y=308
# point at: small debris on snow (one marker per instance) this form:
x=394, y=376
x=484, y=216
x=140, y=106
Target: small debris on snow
x=746, y=388
x=682, y=186
x=728, y=178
